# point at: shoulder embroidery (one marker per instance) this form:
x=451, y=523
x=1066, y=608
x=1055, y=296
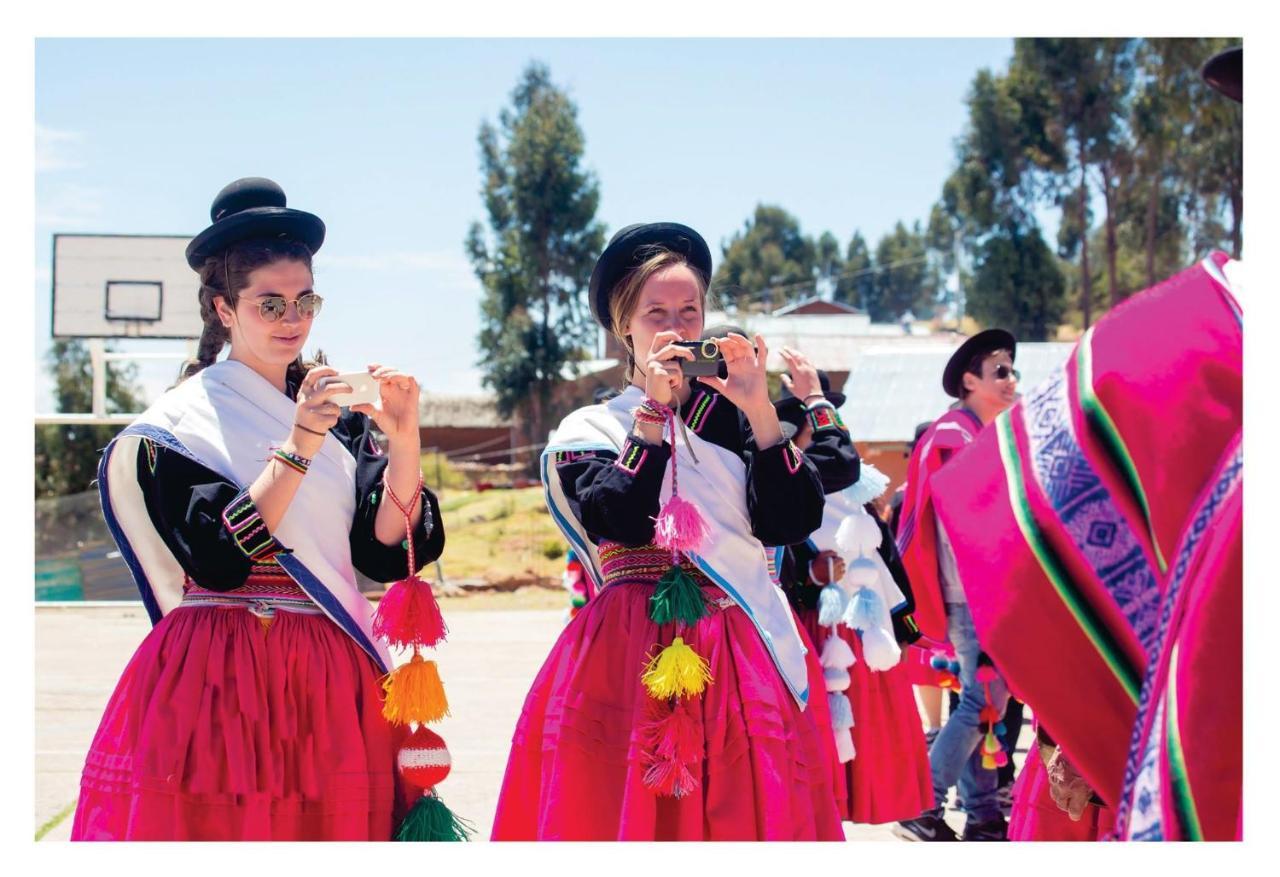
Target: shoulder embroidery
x=563, y=457
x=698, y=413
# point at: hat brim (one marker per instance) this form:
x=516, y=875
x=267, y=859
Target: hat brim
x=626, y=250
x=983, y=342
x=1225, y=73
x=256, y=223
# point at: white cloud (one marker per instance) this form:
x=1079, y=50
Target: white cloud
x=52, y=148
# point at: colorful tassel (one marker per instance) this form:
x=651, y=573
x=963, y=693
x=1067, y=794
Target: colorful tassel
x=989, y=763
x=879, y=649
x=677, y=597
x=836, y=653
x=836, y=678
x=832, y=601
x=671, y=745
x=676, y=671
x=679, y=526
x=414, y=693
x=408, y=615
x=841, y=710
x=845, y=751
x=864, y=610
x=431, y=820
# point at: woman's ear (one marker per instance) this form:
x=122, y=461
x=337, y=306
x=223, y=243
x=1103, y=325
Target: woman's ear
x=225, y=312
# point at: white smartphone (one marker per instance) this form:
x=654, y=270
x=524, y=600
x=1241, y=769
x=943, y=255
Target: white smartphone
x=364, y=388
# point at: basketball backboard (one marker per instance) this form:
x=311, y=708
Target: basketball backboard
x=124, y=286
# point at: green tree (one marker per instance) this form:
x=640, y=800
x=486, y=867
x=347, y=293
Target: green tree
x=534, y=262
x=66, y=457
x=1215, y=161
x=1017, y=285
x=856, y=285
x=904, y=280
x=769, y=263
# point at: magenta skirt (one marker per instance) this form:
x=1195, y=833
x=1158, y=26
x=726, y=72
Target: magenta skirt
x=575, y=771
x=221, y=729
x=889, y=779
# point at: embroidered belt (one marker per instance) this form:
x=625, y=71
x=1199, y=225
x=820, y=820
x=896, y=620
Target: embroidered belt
x=645, y=564
x=266, y=591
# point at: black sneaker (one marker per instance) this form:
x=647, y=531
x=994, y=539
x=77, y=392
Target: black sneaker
x=928, y=826
x=993, y=829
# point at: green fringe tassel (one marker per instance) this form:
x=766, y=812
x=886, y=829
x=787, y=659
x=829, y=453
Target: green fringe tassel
x=677, y=597
x=431, y=820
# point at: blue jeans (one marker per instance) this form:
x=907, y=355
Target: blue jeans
x=956, y=757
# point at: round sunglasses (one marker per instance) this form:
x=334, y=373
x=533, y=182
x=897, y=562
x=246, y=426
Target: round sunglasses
x=274, y=307
x=1003, y=372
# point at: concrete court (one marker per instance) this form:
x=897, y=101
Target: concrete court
x=487, y=666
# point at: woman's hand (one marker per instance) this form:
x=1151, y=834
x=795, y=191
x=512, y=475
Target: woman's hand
x=396, y=413
x=802, y=382
x=663, y=376
x=315, y=414
x=826, y=568
x=747, y=386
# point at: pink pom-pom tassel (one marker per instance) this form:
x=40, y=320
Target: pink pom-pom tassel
x=671, y=747
x=679, y=526
x=408, y=615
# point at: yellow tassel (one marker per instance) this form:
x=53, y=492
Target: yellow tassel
x=676, y=671
x=414, y=693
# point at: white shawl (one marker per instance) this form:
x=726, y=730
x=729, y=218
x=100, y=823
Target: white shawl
x=229, y=419
x=717, y=484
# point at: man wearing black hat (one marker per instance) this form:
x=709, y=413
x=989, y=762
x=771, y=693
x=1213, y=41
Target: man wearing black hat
x=980, y=374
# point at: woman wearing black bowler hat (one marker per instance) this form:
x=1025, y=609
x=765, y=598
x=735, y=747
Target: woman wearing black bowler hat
x=243, y=501
x=673, y=706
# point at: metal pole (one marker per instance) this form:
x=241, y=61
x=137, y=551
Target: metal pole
x=97, y=356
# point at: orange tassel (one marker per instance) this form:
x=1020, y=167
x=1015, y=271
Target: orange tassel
x=414, y=693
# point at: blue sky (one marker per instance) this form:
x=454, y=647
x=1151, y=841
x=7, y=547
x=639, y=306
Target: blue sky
x=378, y=137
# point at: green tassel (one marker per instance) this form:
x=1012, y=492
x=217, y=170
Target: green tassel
x=431, y=820
x=677, y=597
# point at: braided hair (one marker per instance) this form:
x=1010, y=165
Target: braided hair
x=224, y=275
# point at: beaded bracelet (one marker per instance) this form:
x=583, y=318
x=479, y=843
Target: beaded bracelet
x=296, y=462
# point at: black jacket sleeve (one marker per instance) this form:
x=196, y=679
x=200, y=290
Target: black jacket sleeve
x=186, y=502
x=378, y=561
x=615, y=496
x=784, y=493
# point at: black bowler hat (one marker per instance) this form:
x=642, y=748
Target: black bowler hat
x=1225, y=72
x=630, y=247
x=791, y=411
x=984, y=342
x=249, y=209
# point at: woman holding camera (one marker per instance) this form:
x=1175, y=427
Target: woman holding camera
x=243, y=501
x=672, y=707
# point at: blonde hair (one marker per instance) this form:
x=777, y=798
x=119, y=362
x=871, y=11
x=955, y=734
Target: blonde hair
x=626, y=294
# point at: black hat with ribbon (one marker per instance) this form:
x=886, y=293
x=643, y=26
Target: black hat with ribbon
x=630, y=247
x=253, y=208
x=987, y=341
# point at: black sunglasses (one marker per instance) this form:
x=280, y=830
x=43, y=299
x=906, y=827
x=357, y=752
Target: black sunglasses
x=1003, y=372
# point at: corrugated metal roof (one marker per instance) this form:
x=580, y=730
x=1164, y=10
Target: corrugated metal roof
x=891, y=389
x=437, y=410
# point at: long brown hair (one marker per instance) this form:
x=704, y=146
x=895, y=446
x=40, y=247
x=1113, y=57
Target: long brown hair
x=224, y=275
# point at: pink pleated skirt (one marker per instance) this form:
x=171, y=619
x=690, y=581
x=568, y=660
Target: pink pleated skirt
x=889, y=779
x=575, y=772
x=222, y=728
